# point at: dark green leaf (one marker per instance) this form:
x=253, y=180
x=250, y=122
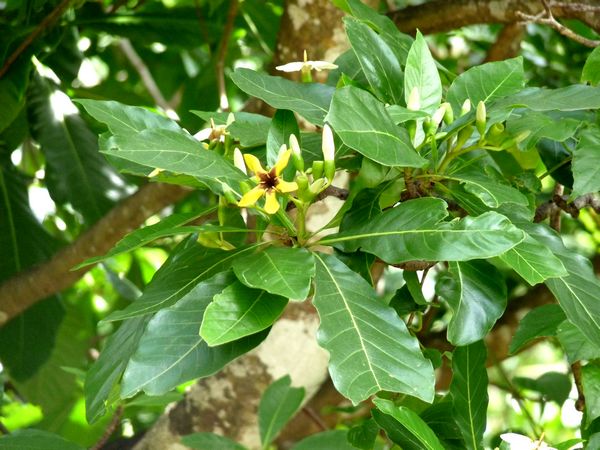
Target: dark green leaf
x=476, y=293
x=576, y=345
x=283, y=271
x=469, y=392
x=36, y=440
x=210, y=441
x=363, y=436
x=590, y=379
x=542, y=321
x=421, y=73
x=239, y=311
x=171, y=351
x=310, y=100
x=369, y=346
x=283, y=125
x=586, y=163
x=553, y=386
x=327, y=440
x=557, y=161
x=370, y=130
x=277, y=406
x=13, y=86
x=591, y=69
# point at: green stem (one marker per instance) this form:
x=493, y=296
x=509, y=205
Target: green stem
x=287, y=223
x=434, y=151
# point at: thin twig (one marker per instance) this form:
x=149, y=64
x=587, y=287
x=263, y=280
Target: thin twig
x=45, y=23
x=201, y=23
x=547, y=18
x=145, y=75
x=222, y=54
x=576, y=369
x=315, y=418
x=110, y=429
x=556, y=211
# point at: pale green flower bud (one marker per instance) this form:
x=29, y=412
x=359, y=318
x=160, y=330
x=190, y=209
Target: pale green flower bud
x=437, y=117
x=317, y=169
x=238, y=160
x=296, y=153
x=481, y=118
x=466, y=107
x=449, y=115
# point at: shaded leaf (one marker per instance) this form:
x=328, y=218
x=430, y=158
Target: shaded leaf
x=553, y=386
x=590, y=379
x=36, y=440
x=542, y=321
x=210, y=441
x=363, y=435
x=571, y=98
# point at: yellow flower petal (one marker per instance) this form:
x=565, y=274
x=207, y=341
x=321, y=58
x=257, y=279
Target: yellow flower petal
x=271, y=203
x=251, y=197
x=282, y=161
x=286, y=186
x=253, y=163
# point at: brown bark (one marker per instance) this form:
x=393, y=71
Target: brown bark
x=508, y=43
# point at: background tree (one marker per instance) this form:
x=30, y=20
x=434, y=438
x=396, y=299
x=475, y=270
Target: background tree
x=174, y=57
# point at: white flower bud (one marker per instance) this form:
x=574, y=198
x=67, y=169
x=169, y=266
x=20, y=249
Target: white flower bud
x=328, y=144
x=238, y=160
x=294, y=145
x=466, y=107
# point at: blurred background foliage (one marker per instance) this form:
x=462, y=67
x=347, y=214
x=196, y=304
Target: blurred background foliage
x=54, y=184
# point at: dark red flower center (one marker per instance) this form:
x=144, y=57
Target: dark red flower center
x=268, y=180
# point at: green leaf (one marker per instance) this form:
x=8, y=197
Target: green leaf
x=377, y=60
x=250, y=129
x=590, y=379
x=283, y=125
x=177, y=152
x=210, y=441
x=277, y=406
x=401, y=115
x=369, y=345
x=363, y=435
x=327, y=440
x=284, y=271
x=542, y=321
x=586, y=163
x=577, y=292
x=533, y=261
x=188, y=265
x=541, y=125
x=476, y=293
x=553, y=386
x=415, y=230
x=239, y=311
x=576, y=345
x=310, y=100
x=418, y=431
x=487, y=82
x=36, y=440
x=13, y=86
x=571, y=98
x=167, y=227
x=469, y=392
x=106, y=372
x=370, y=130
x=591, y=69
x=171, y=351
x=421, y=73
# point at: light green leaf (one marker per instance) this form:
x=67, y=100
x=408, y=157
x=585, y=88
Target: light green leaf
x=541, y=125
x=370, y=130
x=239, y=311
x=167, y=227
x=370, y=348
x=210, y=441
x=487, y=82
x=586, y=163
x=571, y=98
x=542, y=321
x=310, y=100
x=282, y=126
x=415, y=230
x=377, y=60
x=476, y=293
x=36, y=440
x=171, y=351
x=421, y=73
x=590, y=379
x=414, y=427
x=284, y=271
x=106, y=371
x=533, y=261
x=277, y=406
x=400, y=114
x=327, y=440
x=469, y=392
x=188, y=265
x=577, y=347
x=591, y=68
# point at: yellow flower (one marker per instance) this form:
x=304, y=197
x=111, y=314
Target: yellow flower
x=269, y=182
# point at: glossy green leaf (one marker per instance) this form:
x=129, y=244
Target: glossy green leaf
x=171, y=351
x=327, y=440
x=476, y=294
x=363, y=435
x=369, y=129
x=370, y=348
x=284, y=271
x=36, y=440
x=106, y=372
x=541, y=125
x=188, y=265
x=421, y=73
x=210, y=441
x=586, y=163
x=278, y=405
x=571, y=98
x=138, y=238
x=310, y=100
x=487, y=82
x=239, y=311
x=577, y=347
x=282, y=126
x=469, y=392
x=415, y=428
x=590, y=379
x=591, y=69
x=542, y=321
x=377, y=60
x=533, y=261
x=415, y=230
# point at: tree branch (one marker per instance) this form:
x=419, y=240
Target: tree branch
x=29, y=287
x=508, y=43
x=222, y=54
